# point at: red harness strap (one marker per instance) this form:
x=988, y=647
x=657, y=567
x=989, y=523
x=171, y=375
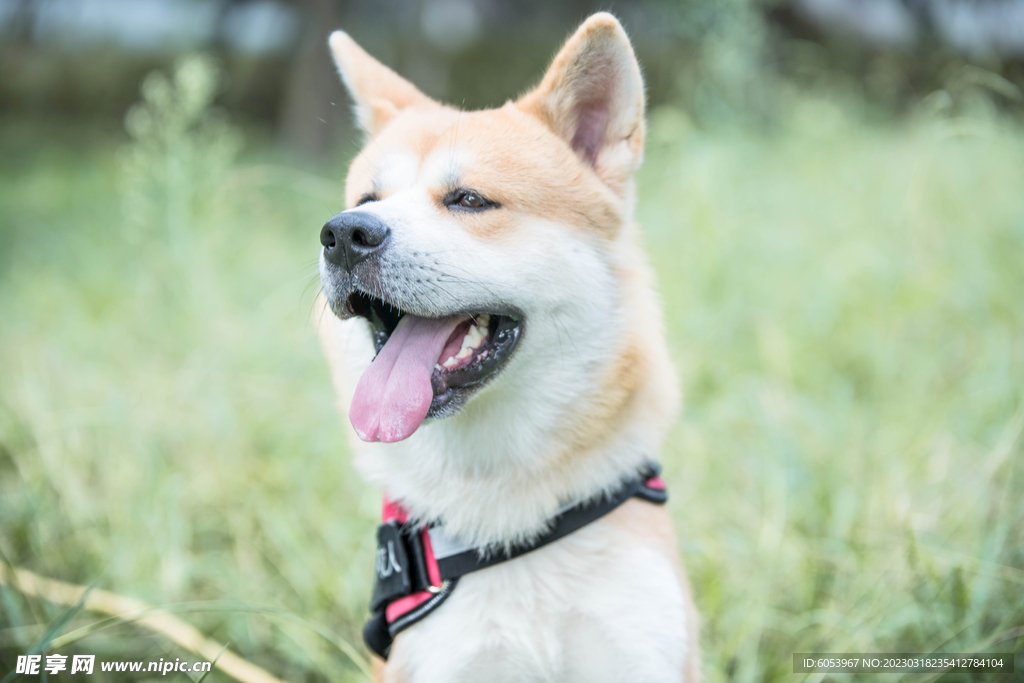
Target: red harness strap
x=394, y=512
x=411, y=580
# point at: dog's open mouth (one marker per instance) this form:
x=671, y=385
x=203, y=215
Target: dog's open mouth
x=425, y=367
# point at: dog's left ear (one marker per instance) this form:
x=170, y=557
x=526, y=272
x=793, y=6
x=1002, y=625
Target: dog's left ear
x=592, y=96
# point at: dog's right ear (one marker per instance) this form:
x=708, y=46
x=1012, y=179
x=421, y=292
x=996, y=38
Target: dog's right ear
x=377, y=91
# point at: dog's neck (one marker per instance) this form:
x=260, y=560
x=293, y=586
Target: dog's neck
x=503, y=497
x=497, y=472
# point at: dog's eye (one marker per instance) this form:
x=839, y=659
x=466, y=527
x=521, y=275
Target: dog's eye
x=471, y=201
x=368, y=197
x=467, y=199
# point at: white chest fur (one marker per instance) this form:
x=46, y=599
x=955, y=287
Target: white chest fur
x=603, y=604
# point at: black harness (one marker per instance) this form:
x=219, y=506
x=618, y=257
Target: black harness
x=418, y=567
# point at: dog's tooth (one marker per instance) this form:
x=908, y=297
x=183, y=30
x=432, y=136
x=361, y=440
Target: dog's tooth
x=475, y=336
x=483, y=320
x=471, y=339
x=436, y=366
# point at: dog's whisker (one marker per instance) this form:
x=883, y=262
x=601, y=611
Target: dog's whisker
x=323, y=309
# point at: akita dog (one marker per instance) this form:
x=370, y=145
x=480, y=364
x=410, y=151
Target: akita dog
x=498, y=347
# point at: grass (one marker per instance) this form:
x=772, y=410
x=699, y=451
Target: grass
x=845, y=307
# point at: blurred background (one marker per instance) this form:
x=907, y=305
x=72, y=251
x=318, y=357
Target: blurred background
x=833, y=202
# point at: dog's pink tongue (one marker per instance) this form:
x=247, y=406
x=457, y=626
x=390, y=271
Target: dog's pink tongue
x=394, y=394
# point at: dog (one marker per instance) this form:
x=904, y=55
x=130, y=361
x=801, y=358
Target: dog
x=498, y=347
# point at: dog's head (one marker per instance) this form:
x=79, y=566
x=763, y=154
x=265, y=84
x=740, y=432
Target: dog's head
x=489, y=251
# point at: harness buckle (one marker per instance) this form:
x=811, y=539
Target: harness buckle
x=392, y=571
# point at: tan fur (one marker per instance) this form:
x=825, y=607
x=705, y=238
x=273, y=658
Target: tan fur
x=637, y=386
x=385, y=674
x=589, y=54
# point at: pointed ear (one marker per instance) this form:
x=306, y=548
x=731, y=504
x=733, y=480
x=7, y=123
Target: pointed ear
x=377, y=91
x=592, y=96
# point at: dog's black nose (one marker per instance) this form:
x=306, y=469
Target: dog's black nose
x=351, y=237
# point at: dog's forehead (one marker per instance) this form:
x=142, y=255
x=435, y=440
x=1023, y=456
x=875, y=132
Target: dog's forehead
x=394, y=170
x=440, y=146
x=399, y=169
x=399, y=154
